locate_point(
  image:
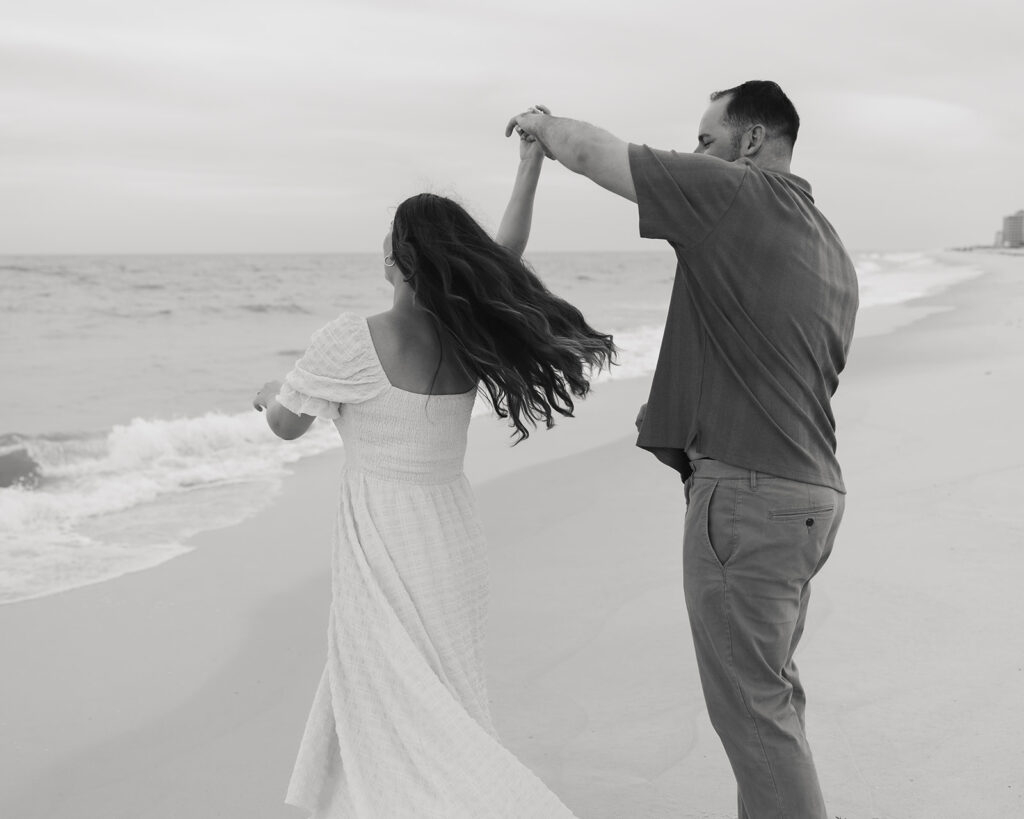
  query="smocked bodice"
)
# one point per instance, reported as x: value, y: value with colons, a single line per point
x: 388, y: 433
x: 404, y: 436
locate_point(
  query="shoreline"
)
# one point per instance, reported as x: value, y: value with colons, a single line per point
x: 872, y: 321
x: 182, y: 692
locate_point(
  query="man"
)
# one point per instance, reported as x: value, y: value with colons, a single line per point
x: 758, y: 329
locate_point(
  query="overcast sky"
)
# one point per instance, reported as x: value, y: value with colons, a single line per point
x: 290, y: 125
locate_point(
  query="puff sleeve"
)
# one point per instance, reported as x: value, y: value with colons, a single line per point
x: 340, y: 366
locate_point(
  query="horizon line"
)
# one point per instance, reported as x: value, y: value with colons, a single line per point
x: 658, y: 249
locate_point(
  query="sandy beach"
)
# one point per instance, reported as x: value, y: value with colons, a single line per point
x: 181, y: 692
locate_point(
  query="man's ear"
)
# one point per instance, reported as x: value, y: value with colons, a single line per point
x: 753, y: 141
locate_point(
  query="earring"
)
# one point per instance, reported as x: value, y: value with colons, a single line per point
x: 389, y: 261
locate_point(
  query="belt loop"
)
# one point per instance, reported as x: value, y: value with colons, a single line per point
x: 753, y: 479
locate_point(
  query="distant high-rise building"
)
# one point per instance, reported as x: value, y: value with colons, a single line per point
x: 999, y: 239
x: 1013, y: 230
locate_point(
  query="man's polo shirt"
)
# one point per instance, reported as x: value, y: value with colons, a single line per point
x: 759, y: 322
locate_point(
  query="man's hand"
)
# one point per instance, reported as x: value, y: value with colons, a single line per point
x: 525, y: 124
x: 582, y: 148
x: 640, y: 417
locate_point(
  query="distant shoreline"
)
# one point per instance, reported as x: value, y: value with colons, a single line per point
x: 1001, y: 251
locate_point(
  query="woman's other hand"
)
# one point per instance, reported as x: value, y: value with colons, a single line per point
x: 266, y: 394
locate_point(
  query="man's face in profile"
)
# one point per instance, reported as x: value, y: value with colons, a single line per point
x: 714, y: 136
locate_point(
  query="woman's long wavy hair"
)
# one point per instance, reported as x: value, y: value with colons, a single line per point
x: 532, y: 351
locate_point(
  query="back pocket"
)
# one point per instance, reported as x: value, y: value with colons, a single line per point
x: 807, y: 516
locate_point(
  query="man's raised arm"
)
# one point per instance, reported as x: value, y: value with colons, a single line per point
x: 582, y: 148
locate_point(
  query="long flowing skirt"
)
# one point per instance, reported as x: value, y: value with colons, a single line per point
x: 400, y: 724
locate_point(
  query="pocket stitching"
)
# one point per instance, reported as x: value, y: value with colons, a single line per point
x: 794, y: 514
x: 706, y: 530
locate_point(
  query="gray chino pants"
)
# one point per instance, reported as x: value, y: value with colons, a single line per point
x: 752, y: 542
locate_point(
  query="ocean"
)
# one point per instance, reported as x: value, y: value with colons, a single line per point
x: 126, y: 426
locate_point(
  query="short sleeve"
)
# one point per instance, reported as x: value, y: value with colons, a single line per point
x: 340, y: 366
x: 682, y: 197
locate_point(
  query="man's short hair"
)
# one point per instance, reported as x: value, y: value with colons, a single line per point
x: 761, y: 102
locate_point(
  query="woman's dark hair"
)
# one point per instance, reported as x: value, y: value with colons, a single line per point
x: 531, y: 350
x: 761, y: 102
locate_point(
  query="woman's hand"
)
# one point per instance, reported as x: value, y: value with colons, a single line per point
x: 282, y: 421
x: 530, y: 146
x: 266, y: 394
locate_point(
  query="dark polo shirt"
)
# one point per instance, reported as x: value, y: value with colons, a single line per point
x: 760, y: 319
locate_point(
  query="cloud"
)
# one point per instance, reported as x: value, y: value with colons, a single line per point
x: 365, y: 101
x: 870, y: 122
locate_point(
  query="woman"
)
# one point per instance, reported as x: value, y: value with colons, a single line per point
x: 400, y: 724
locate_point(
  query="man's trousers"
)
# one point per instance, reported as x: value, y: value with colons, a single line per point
x: 752, y: 543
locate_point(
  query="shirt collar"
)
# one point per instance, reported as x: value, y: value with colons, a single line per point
x: 797, y: 182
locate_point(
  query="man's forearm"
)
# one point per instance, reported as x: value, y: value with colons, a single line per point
x: 588, y: 150
x: 573, y: 142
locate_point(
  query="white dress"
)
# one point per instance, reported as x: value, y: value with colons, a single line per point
x: 400, y: 726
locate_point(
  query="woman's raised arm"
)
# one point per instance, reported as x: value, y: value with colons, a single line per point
x: 514, y: 231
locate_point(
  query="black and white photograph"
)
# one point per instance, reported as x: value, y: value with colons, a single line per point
x: 539, y: 410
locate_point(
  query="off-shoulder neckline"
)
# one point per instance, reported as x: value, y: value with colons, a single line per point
x: 380, y: 366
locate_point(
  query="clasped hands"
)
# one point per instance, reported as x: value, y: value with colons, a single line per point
x: 525, y: 124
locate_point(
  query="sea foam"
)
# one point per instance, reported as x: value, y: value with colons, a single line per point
x: 91, y: 507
